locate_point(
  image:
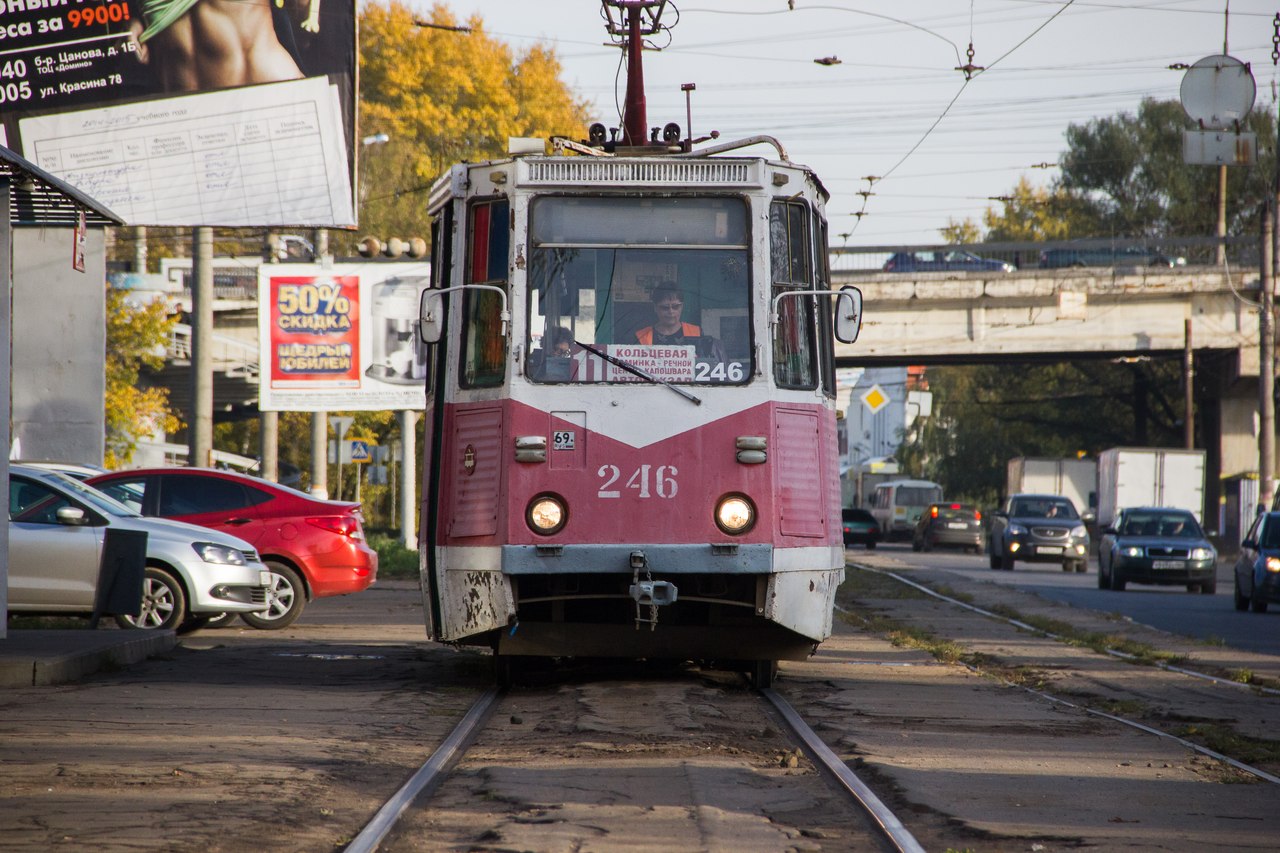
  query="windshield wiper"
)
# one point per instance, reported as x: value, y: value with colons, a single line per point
x: 648, y: 377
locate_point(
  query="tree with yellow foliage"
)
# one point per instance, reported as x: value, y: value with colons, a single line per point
x: 442, y: 96
x: 136, y: 335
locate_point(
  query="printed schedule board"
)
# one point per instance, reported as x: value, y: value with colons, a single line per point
x: 234, y: 113
x: 343, y: 338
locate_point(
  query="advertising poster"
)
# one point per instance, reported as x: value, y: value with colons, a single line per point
x: 183, y: 112
x: 343, y: 338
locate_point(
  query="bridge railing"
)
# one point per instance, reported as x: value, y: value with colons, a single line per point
x: 1240, y: 252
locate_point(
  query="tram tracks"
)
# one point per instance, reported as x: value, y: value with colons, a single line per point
x: 687, y: 763
x: 1244, y: 693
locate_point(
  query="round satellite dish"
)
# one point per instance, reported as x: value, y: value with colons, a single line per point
x: 1217, y: 92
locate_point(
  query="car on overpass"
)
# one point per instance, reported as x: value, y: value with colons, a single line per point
x: 1107, y: 256
x: 954, y: 261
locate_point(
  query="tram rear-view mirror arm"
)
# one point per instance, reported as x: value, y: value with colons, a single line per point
x: 848, y: 321
x: 431, y: 310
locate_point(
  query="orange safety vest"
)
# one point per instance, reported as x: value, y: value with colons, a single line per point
x: 645, y: 335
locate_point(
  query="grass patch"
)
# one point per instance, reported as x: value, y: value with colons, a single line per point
x: 50, y: 623
x: 395, y: 562
x: 1223, y: 739
x: 860, y: 583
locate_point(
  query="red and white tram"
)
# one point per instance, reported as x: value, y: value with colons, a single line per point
x: 630, y: 443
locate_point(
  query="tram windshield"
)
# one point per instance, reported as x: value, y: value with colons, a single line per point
x: 659, y: 285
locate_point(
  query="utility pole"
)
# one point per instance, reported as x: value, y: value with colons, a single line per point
x: 1266, y: 365
x: 1188, y: 389
x: 200, y: 443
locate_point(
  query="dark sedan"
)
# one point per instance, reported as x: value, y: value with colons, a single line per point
x: 1257, y: 571
x: 1107, y: 256
x: 860, y: 528
x: 1157, y: 545
x: 953, y: 261
x: 1038, y: 529
x: 952, y: 525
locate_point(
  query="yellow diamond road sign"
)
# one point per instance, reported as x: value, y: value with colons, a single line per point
x: 875, y: 399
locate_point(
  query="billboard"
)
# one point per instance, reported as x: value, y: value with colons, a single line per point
x: 341, y: 338
x: 236, y: 113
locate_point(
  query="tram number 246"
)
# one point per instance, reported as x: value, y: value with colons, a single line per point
x: 648, y: 481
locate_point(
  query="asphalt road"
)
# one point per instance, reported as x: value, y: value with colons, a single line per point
x: 1205, y: 617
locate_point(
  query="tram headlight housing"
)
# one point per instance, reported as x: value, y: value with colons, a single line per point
x: 735, y: 514
x: 546, y: 514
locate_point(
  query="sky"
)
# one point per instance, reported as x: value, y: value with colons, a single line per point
x: 896, y: 108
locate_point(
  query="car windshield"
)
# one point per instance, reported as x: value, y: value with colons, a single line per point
x: 954, y: 513
x: 1171, y: 524
x: 88, y: 494
x: 857, y: 515
x: 1043, y: 508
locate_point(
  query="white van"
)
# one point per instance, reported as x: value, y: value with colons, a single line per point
x: 897, y: 504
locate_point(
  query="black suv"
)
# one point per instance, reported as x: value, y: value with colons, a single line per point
x: 1038, y: 529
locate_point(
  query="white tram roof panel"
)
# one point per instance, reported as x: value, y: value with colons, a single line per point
x: 654, y: 172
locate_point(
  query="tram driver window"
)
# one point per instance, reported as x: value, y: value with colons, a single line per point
x: 794, y: 361
x: 603, y: 269
x: 484, y: 346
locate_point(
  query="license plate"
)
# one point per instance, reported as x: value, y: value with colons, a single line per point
x: 1049, y: 549
x: 1167, y: 564
x: 264, y: 578
x: 957, y: 525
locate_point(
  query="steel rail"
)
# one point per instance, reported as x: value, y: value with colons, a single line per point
x: 427, y: 775
x: 886, y: 820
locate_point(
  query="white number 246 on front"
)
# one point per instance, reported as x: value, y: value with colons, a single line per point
x: 647, y: 481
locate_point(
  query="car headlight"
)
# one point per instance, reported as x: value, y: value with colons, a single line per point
x: 1017, y: 530
x: 1079, y: 531
x: 212, y: 552
x: 735, y: 514
x: 1202, y: 554
x: 1131, y: 551
x: 546, y: 514
x: 1273, y: 564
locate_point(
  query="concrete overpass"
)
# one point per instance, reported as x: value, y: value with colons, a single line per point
x: 1075, y: 313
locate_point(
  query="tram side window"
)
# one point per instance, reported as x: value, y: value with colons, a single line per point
x: 794, y: 362
x: 826, y: 316
x: 483, y: 345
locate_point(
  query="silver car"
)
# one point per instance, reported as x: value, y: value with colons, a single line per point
x: 57, y: 527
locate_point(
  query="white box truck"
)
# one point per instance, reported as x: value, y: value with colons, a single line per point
x: 1076, y: 479
x: 1145, y: 476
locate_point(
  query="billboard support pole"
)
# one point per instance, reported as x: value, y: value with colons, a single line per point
x: 200, y: 446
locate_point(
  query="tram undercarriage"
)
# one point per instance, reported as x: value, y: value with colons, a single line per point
x: 699, y: 616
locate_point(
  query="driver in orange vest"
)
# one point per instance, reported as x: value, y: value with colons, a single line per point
x: 668, y: 328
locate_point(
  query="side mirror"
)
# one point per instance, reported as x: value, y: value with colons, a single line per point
x: 848, y: 314
x: 1109, y: 531
x: 73, y: 516
x: 1000, y: 514
x: 430, y: 317
x: 1088, y: 516
x: 1251, y: 544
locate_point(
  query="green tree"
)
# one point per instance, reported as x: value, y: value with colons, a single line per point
x: 1128, y: 172
x: 442, y: 97
x: 136, y: 337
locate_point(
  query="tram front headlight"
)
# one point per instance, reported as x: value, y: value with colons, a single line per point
x: 735, y: 514
x: 546, y: 514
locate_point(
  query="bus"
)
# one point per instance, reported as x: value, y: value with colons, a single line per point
x: 897, y: 504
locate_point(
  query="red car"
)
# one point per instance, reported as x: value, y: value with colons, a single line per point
x: 314, y: 548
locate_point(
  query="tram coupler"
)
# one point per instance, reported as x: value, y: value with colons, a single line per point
x: 648, y: 592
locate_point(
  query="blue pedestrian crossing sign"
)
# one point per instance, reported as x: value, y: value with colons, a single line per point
x: 360, y: 451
